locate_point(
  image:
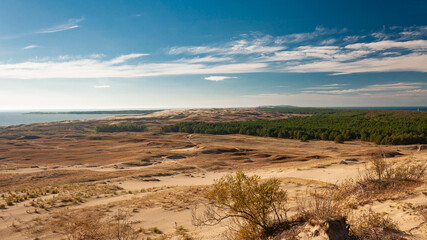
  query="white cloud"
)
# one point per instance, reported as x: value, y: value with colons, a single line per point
x: 380, y: 35
x: 250, y: 44
x: 124, y: 58
x: 249, y: 53
x: 101, y: 86
x: 401, y: 86
x: 410, y: 62
x: 388, y: 44
x: 70, y: 24
x: 192, y: 50
x: 218, y: 78
x: 404, y: 98
x: 30, y: 47
x: 117, y: 68
x: 328, y: 86
x: 208, y: 59
x: 301, y: 37
x: 328, y: 41
x: 97, y: 55
x: 352, y: 38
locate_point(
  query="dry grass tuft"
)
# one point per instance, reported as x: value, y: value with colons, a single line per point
x: 79, y: 225
x: 47, y: 197
x: 369, y: 225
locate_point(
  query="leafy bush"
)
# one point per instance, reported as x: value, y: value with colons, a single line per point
x: 256, y: 207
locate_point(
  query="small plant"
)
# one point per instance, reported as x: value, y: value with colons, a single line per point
x: 371, y: 225
x: 156, y: 230
x: 180, y: 228
x: 384, y: 176
x: 321, y: 204
x: 2, y: 206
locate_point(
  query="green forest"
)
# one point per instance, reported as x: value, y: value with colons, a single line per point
x: 120, y: 128
x: 378, y: 126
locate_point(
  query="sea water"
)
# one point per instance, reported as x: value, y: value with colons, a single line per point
x: 17, y: 118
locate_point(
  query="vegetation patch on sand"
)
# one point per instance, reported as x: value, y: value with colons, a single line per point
x: 120, y: 128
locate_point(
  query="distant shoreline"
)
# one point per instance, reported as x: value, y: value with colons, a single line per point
x: 134, y: 112
x: 101, y: 112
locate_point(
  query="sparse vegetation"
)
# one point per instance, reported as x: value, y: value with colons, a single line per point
x: 120, y: 128
x: 79, y: 225
x: 156, y: 230
x: 385, y: 176
x: 370, y: 225
x: 257, y: 209
x: 61, y: 195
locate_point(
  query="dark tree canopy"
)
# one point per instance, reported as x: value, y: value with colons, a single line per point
x: 381, y: 127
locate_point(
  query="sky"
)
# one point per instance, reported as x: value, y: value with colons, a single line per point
x: 81, y: 54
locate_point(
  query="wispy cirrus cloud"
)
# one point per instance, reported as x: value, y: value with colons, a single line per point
x: 325, y: 50
x: 328, y: 86
x: 414, y: 87
x: 102, y: 86
x: 126, y: 57
x: 117, y: 68
x: 332, y: 51
x: 408, y: 93
x: 301, y: 37
x: 406, y: 98
x: 218, y: 78
x: 409, y: 62
x: 30, y: 47
x: 70, y: 24
x: 207, y: 59
x: 250, y: 44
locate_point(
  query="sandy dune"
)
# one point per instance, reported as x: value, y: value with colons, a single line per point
x: 160, y: 176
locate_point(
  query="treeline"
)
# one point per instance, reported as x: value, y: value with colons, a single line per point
x: 381, y: 127
x: 120, y: 128
x: 299, y: 110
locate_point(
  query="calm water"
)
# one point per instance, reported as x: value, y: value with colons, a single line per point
x: 16, y: 118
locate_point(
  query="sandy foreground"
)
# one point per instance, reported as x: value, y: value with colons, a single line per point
x: 160, y: 177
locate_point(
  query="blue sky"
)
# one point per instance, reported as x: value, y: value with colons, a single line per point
x: 179, y: 54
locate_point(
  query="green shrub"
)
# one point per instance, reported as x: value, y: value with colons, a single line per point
x: 257, y: 207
